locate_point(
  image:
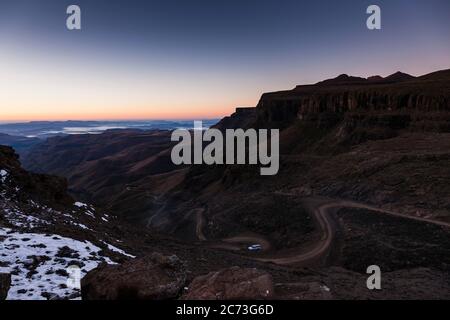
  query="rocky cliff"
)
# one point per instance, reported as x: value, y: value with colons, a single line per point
x: 398, y: 94
x: 241, y: 118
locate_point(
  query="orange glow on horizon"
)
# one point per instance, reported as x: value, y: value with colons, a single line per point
x: 113, y: 117
x: 125, y: 113
x: 37, y: 88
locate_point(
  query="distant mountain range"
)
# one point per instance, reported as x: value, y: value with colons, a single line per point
x: 45, y: 129
x: 23, y: 136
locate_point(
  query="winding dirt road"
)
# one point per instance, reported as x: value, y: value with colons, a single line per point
x: 322, y: 210
x: 324, y: 217
x: 321, y: 248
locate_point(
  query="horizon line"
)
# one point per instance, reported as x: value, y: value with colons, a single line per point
x: 111, y: 120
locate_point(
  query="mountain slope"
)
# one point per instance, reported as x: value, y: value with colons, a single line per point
x: 43, y: 232
x: 115, y: 163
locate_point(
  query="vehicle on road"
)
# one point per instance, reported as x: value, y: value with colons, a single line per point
x: 254, y: 247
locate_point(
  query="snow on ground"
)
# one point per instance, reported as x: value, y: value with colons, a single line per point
x: 82, y: 226
x: 18, y: 219
x: 80, y: 205
x: 3, y: 175
x: 88, y: 210
x: 325, y: 288
x: 45, y: 266
x: 115, y: 249
x: 27, y: 220
x: 39, y: 264
x: 90, y: 213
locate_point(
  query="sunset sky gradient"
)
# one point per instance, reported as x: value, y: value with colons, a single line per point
x: 200, y: 59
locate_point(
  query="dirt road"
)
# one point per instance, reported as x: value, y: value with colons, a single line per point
x: 322, y: 210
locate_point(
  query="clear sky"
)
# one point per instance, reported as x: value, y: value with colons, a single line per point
x: 169, y: 59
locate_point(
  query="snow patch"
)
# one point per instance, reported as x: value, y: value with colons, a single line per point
x: 82, y: 226
x: 21, y: 220
x: 89, y: 210
x: 39, y: 270
x: 325, y: 288
x: 80, y: 205
x: 90, y: 214
x: 115, y: 249
x: 3, y: 175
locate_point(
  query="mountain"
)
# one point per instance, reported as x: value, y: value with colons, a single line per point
x: 130, y: 171
x: 415, y: 97
x: 398, y: 77
x: 242, y: 118
x: 442, y: 75
x: 362, y: 178
x: 375, y: 78
x: 345, y: 79
x: 342, y: 79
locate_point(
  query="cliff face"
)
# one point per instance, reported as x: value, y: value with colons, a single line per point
x: 415, y: 97
x: 241, y: 118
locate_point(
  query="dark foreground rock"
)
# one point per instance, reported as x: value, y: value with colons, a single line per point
x: 406, y: 284
x: 152, y: 278
x: 5, y: 283
x: 231, y: 284
x: 336, y: 283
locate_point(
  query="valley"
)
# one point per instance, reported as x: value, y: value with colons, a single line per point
x: 363, y: 179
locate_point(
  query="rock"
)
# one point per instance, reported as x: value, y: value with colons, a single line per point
x: 231, y: 284
x: 50, y: 296
x: 5, y: 284
x: 66, y: 252
x: 151, y: 278
x: 308, y: 290
x: 405, y: 95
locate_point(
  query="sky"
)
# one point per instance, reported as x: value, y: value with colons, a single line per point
x: 197, y: 59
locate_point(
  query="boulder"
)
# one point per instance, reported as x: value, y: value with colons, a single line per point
x: 155, y: 277
x: 231, y: 284
x: 5, y: 284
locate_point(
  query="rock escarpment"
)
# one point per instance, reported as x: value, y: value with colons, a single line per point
x: 231, y: 284
x: 241, y: 118
x: 156, y: 277
x: 396, y: 95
